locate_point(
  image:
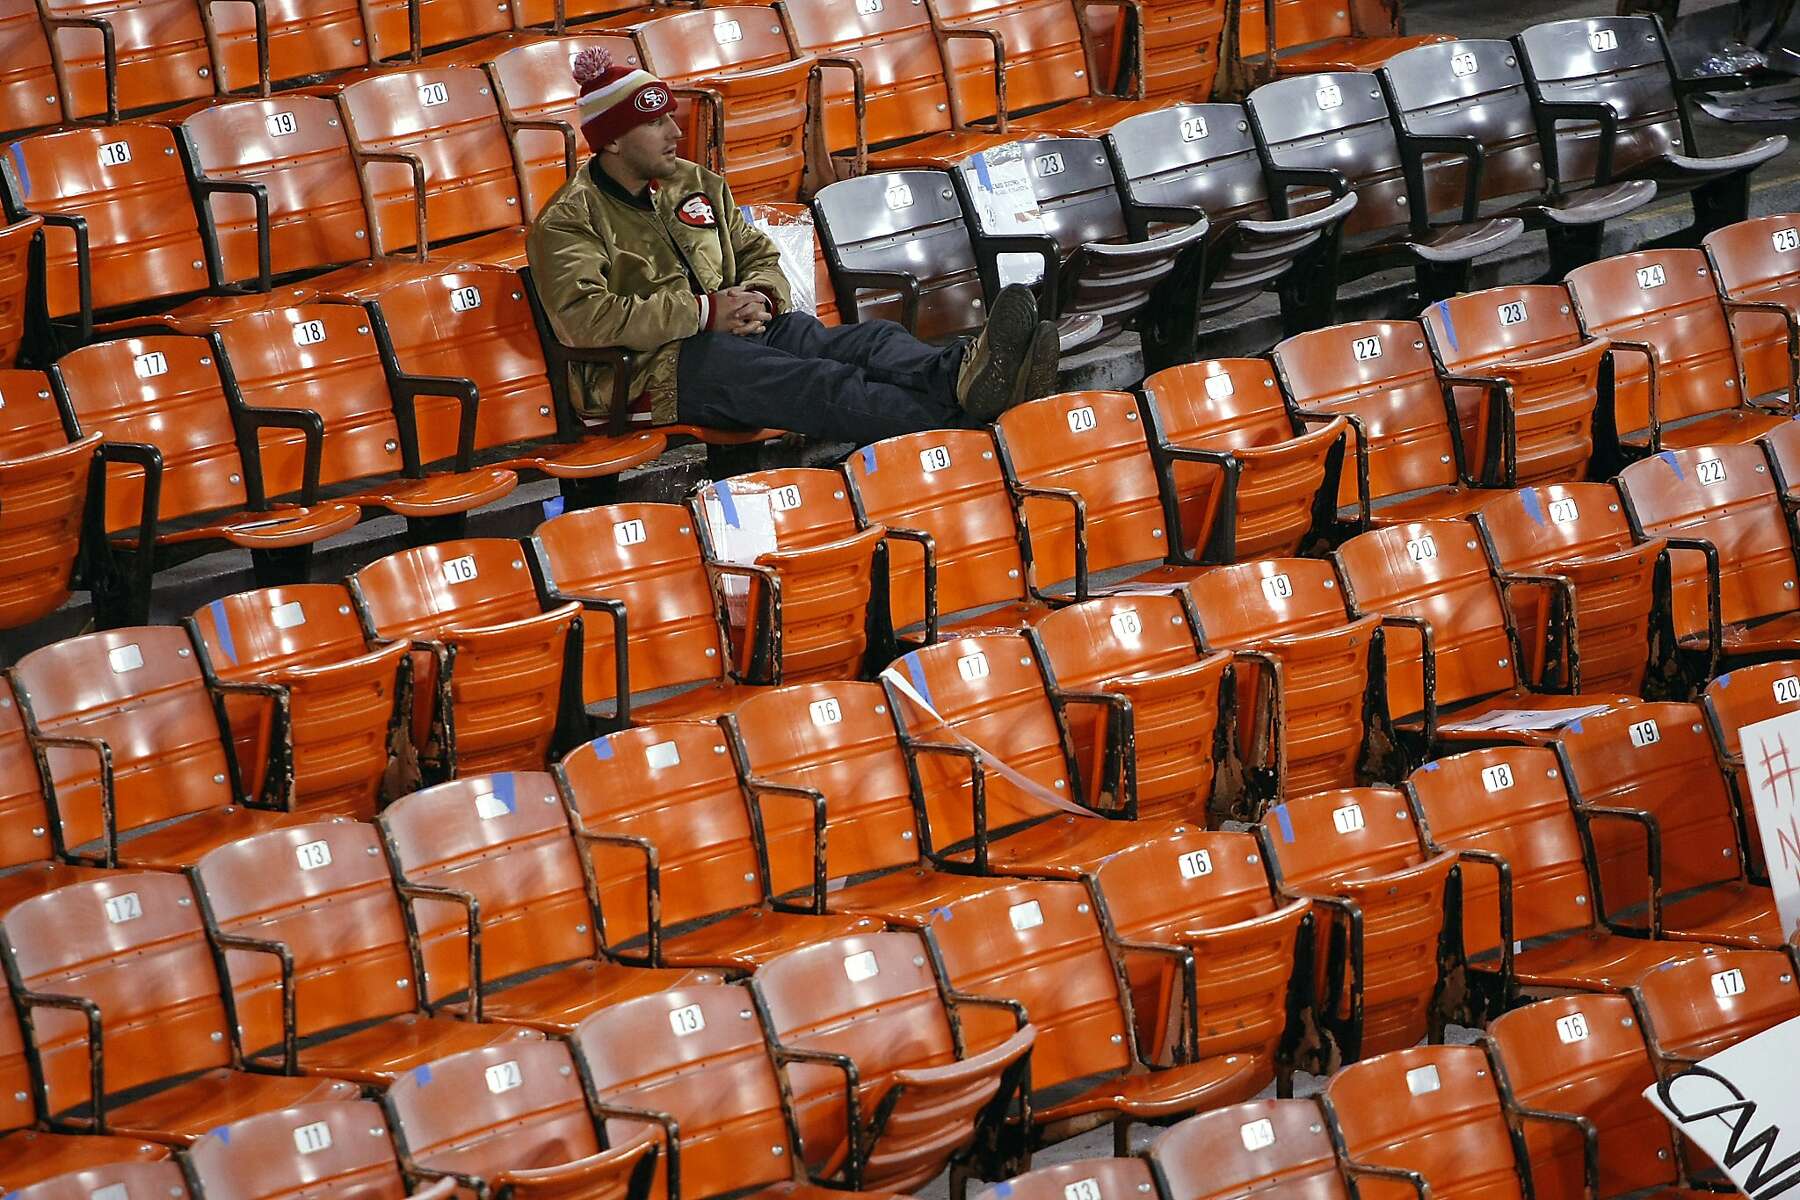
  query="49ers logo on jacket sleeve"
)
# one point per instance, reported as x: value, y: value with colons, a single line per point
x: 696, y: 210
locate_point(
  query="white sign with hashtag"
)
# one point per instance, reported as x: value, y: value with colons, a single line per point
x: 1772, y: 762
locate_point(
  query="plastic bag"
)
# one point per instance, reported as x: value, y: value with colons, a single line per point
x: 790, y: 227
x: 1733, y: 58
x: 1001, y: 190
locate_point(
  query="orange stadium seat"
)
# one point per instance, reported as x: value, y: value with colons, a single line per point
x: 1248, y: 481
x: 393, y: 33
x: 1312, y: 37
x: 44, y: 488
x: 493, y: 874
x: 680, y: 851
x: 1089, y: 492
x: 1146, y: 648
x: 30, y: 97
x: 303, y: 39
x: 315, y: 946
x: 1455, y: 673
x: 174, y: 471
x: 808, y: 594
x: 1200, y: 159
x: 1525, y: 381
x: 1357, y: 854
x: 1694, y: 1009
x: 329, y: 1145
x: 1736, y: 699
x: 1758, y: 274
x: 1505, y: 813
x: 29, y: 838
x: 159, y: 54
x: 1679, y: 383
x: 342, y: 703
x: 18, y: 243
x: 494, y: 673
x: 1378, y: 375
x: 954, y: 541
x: 131, y: 956
x: 924, y: 1095
x: 537, y: 94
x: 1578, y: 532
x: 127, y: 728
x: 758, y: 90
x: 1249, y: 1148
x: 1668, y: 847
x: 652, y: 615
x: 160, y: 1177
x: 1295, y: 611
x: 1103, y: 1178
x: 514, y: 1118
x: 1182, y: 42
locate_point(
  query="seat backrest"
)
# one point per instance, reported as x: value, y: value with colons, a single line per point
x: 673, y: 784
x: 1336, y: 122
x: 1077, y: 198
x: 1191, y: 879
x: 328, y: 1148
x: 131, y: 942
x: 1758, y: 259
x: 1093, y: 444
x: 17, y: 1107
x: 905, y: 221
x: 1435, y: 570
x: 1658, y: 759
x: 43, y: 498
x: 1533, y: 528
x: 295, y: 146
x: 1342, y: 833
x: 160, y: 1177
x: 30, y: 418
x: 322, y: 358
x: 140, y: 691
x: 1297, y: 23
x: 1701, y: 1006
x: 164, y: 390
x: 323, y: 38
x: 24, y: 818
x: 1743, y: 697
x: 647, y: 557
x: 323, y: 891
x: 447, y: 118
x: 472, y: 323
x: 1585, y: 1054
x: 997, y: 942
x: 533, y: 82
x: 1510, y: 801
x: 1382, y: 373
x: 1432, y: 1109
x: 947, y: 483
x: 505, y: 840
x: 904, y: 87
x: 1620, y: 62
x: 988, y: 689
x: 499, y: 1108
x: 441, y: 22
x: 1247, y: 602
x: 807, y: 506
x: 1470, y: 88
x: 161, y: 54
x: 1098, y: 1178
x: 1249, y: 1148
x: 1723, y: 495
x: 699, y: 1055
x: 682, y: 46
x: 127, y: 183
x: 260, y: 632
x: 1046, y: 55
x: 430, y: 591
x: 17, y: 240
x: 1194, y: 155
x: 29, y: 96
x: 839, y: 739
x: 1666, y: 298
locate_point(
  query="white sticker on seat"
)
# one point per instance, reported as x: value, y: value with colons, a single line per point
x: 1049, y: 164
x: 1277, y: 587
x: 112, y: 1191
x: 1421, y: 1080
x: 972, y: 666
x: 281, y: 124
x: 858, y: 967
x: 1786, y: 241
x: 661, y: 756
x: 149, y: 366
x: 686, y: 1021
x: 310, y: 1139
x: 124, y: 659
x: 1572, y: 1028
x: 309, y: 333
x: 462, y: 299
x: 1709, y: 471
x: 1512, y: 313
x: 1193, y: 128
x: 1602, y: 40
x: 115, y: 154
x: 1082, y: 1189
x: 313, y: 855
x: 1563, y: 510
x: 1730, y: 983
x: 934, y: 458
x: 504, y: 1077
x: 1028, y: 915
x: 1220, y: 386
x: 1651, y: 276
x: 1787, y: 689
x: 868, y: 8
x: 124, y: 907
x: 629, y: 533
x: 1421, y: 548
x: 488, y: 806
x: 1644, y: 733
x: 1348, y: 819
x: 433, y: 94
x: 1195, y: 863
x: 1258, y: 1135
x: 1366, y: 348
x: 898, y: 195
x: 1126, y: 623
x: 1329, y: 96
x: 784, y: 498
x: 460, y: 570
x: 826, y: 712
x: 1497, y: 778
x: 1082, y: 419
x: 1463, y: 64
x: 727, y: 31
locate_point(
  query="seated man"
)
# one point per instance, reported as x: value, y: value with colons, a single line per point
x: 646, y: 250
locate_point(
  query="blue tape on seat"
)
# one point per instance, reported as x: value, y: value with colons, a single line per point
x: 1443, y: 312
x: 602, y: 748
x: 1668, y: 456
x: 1534, y: 508
x: 553, y: 507
x: 916, y: 673
x: 506, y: 791
x: 727, y: 504
x: 227, y: 647
x: 981, y: 171
x: 868, y: 459
x: 1287, y: 825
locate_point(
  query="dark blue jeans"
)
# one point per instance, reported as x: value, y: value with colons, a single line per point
x: 849, y: 383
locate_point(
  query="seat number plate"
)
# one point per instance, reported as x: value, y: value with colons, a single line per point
x: 123, y: 659
x: 115, y: 154
x: 1644, y: 733
x: 826, y: 712
x: 124, y: 907
x: 1787, y: 689
x: 310, y: 1139
x: 1652, y: 276
x: 1463, y: 64
x: 868, y: 8
x: 1728, y: 983
x: 662, y: 756
x: 1564, y: 510
x: 1082, y: 1189
x: 972, y: 666
x: 1195, y: 863
x: 313, y: 855
x: 1258, y: 1135
x: 460, y: 570
x: 1366, y: 348
x: 1710, y: 470
x: 1572, y: 1028
x: 309, y: 333
x: 687, y: 1021
x: 1126, y: 623
x: 1082, y: 419
x: 629, y: 533
x: 287, y: 616
x: 504, y: 1077
x: 1348, y: 819
x: 1602, y: 40
x: 1497, y: 778
x: 858, y: 967
x: 898, y: 196
x: 784, y: 498
x: 726, y: 32
x: 149, y: 366
x: 1050, y: 164
x: 281, y: 124
x: 1512, y: 313
x: 1028, y: 915
x: 1329, y: 96
x: 488, y: 806
x: 1421, y: 1080
x: 1220, y: 386
x: 1277, y: 587
x: 1786, y: 240
x: 433, y: 94
x: 1421, y: 548
x: 934, y: 458
x: 1193, y: 128
x: 465, y: 298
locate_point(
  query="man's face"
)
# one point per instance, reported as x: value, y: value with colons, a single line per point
x: 649, y: 150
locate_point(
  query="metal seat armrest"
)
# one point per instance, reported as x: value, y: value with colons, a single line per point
x: 1653, y: 852
x: 997, y: 41
x: 759, y: 790
x: 412, y: 893
x: 1073, y: 499
x: 290, y: 1039
x: 653, y: 956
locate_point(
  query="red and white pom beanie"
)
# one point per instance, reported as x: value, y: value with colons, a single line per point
x: 614, y: 99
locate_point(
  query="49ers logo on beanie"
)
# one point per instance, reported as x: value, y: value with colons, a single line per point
x: 697, y: 211
x: 615, y: 99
